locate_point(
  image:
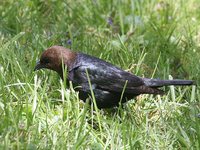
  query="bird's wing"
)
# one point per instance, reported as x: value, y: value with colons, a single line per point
x: 105, y: 76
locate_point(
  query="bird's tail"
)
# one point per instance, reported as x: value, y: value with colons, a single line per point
x: 160, y: 83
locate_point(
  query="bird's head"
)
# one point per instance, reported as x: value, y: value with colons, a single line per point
x: 54, y: 57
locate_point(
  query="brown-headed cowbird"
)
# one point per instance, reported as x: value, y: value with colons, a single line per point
x: 108, y: 82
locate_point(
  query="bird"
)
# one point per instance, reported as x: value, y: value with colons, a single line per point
x: 111, y: 86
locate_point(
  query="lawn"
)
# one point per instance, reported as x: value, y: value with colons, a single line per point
x: 150, y: 38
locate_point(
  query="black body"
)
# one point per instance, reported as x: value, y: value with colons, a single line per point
x: 108, y: 81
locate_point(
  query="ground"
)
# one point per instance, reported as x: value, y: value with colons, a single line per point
x: 150, y: 38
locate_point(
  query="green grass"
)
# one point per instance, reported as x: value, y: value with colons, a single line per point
x: 149, y: 38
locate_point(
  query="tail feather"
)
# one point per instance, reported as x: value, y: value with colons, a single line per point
x: 160, y: 83
x: 151, y: 90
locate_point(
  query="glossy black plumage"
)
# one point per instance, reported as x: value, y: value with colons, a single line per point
x: 107, y: 80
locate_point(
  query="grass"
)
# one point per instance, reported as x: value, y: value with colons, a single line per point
x: 148, y: 38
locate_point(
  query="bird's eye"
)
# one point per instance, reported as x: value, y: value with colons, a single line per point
x: 45, y: 61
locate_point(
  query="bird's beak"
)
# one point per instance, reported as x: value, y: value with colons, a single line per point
x: 38, y: 66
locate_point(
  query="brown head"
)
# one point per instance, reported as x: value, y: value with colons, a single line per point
x: 53, y: 57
